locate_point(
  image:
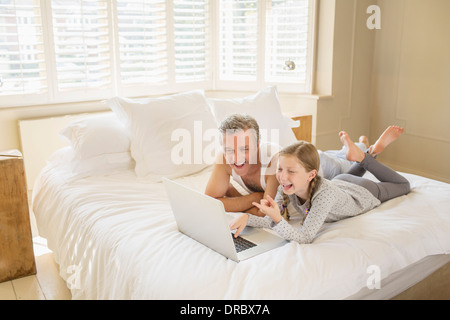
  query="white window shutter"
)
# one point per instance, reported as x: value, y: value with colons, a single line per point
x: 22, y: 60
x: 238, y: 40
x: 191, y: 40
x: 142, y: 40
x: 258, y: 39
x: 287, y: 29
x: 81, y: 44
x: 74, y: 50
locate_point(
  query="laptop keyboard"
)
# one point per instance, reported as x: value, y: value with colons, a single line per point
x: 242, y: 244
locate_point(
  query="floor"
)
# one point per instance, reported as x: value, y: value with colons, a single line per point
x: 46, y: 284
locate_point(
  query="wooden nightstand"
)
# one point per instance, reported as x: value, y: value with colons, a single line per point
x: 16, y: 244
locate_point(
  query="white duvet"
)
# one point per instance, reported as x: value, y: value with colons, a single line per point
x: 115, y: 237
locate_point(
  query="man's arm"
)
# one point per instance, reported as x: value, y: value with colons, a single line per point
x: 271, y: 186
x: 218, y: 185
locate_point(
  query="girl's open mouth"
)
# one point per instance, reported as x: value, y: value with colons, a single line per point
x: 286, y: 187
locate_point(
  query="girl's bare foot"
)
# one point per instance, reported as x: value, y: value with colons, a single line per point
x: 387, y: 137
x: 365, y: 140
x: 353, y: 152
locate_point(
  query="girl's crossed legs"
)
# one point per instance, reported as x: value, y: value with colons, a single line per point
x: 390, y: 185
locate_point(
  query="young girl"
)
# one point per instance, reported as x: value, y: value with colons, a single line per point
x: 319, y: 199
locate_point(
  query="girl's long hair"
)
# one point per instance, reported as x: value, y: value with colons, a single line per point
x: 307, y: 155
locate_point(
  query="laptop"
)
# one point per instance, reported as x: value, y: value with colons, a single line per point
x: 204, y: 219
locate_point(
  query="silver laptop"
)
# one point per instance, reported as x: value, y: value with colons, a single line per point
x: 203, y: 218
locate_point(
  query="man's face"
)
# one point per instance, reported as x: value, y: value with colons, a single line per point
x: 241, y: 150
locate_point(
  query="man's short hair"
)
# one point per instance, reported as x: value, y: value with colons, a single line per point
x: 238, y: 122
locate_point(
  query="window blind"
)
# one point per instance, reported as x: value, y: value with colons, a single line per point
x: 73, y: 50
x: 81, y: 43
x: 191, y: 41
x: 22, y: 61
x: 238, y: 39
x: 258, y: 37
x: 142, y: 35
x: 287, y: 30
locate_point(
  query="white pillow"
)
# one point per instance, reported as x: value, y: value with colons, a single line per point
x: 97, y: 135
x: 167, y: 133
x: 100, y: 165
x: 265, y: 108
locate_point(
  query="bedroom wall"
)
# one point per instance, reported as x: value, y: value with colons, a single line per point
x: 348, y: 106
x: 411, y: 81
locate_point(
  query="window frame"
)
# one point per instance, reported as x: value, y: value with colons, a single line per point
x: 212, y: 82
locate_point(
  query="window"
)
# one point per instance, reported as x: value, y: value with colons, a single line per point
x: 266, y: 42
x: 81, y: 44
x: 162, y: 45
x: 238, y: 40
x: 191, y: 41
x: 287, y: 39
x: 73, y: 50
x: 22, y: 58
x: 142, y: 41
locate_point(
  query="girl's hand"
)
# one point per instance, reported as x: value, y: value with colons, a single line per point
x: 269, y: 207
x: 239, y: 223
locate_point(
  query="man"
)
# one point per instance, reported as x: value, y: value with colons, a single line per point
x: 246, y: 159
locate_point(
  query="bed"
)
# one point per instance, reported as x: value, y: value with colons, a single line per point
x: 112, y: 232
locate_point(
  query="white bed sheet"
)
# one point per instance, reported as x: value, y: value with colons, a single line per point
x: 115, y: 237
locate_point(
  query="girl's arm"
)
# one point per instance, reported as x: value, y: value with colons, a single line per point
x: 251, y: 220
x: 322, y: 205
x: 268, y: 207
x: 320, y: 208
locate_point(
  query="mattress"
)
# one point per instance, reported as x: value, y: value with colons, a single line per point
x: 115, y: 237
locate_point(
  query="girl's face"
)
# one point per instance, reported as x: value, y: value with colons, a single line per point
x: 293, y: 177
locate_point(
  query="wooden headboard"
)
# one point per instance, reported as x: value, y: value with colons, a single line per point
x: 304, y: 130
